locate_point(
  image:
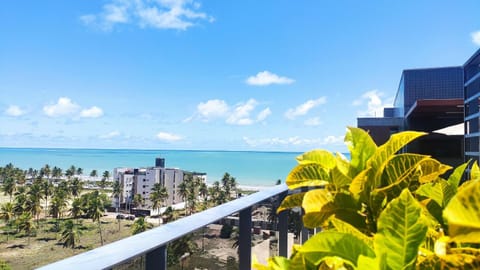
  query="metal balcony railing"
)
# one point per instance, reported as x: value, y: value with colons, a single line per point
x: 153, y: 243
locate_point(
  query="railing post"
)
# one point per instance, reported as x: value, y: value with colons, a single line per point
x: 245, y: 239
x: 304, y: 232
x: 283, y: 229
x: 156, y: 259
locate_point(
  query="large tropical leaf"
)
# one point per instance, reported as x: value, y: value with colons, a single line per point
x: 320, y: 205
x: 463, y: 214
x: 401, y: 231
x: 305, y: 175
x: 362, y: 182
x: 431, y: 169
x: 475, y: 171
x: 321, y: 157
x: 399, y: 168
x: 440, y: 191
x: 339, y: 179
x: 361, y: 147
x: 291, y: 201
x: 449, y: 262
x: 274, y: 263
x: 455, y: 178
x: 342, y: 226
x: 386, y: 151
x: 330, y: 243
x: 365, y: 262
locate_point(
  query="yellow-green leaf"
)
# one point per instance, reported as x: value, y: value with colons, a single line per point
x: 313, y: 205
x: 399, y: 168
x: 450, y: 262
x: 273, y: 263
x: 475, y: 171
x: 305, y: 175
x: 401, y: 231
x: 321, y: 157
x: 455, y: 178
x: 361, y: 147
x: 342, y: 226
x: 431, y: 170
x: 291, y: 201
x: 339, y: 179
x: 463, y: 214
x: 440, y: 191
x: 361, y: 182
x: 330, y: 244
x: 319, y: 205
x: 386, y: 151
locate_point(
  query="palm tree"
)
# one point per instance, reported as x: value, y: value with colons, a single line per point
x: 45, y: 171
x: 76, y: 187
x: 105, y: 177
x: 139, y: 225
x: 79, y: 171
x: 137, y: 200
x: 47, y: 190
x: 33, y: 199
x: 93, y: 173
x: 56, y: 172
x: 76, y: 208
x: 26, y: 224
x: 158, y: 196
x: 183, y: 192
x: 117, y: 190
x: 70, y: 234
x: 7, y: 214
x: 96, y: 209
x: 203, y: 191
x: 168, y: 215
x: 9, y: 187
x: 70, y: 171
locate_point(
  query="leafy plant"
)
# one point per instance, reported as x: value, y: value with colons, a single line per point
x: 382, y: 209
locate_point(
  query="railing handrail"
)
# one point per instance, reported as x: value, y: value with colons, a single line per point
x: 118, y: 252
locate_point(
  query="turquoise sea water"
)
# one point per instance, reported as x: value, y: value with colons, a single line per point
x: 249, y: 168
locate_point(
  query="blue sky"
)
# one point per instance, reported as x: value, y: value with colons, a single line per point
x: 229, y: 75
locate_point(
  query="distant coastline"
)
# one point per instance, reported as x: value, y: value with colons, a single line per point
x: 252, y: 169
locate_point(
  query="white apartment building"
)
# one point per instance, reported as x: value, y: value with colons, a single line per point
x: 141, y: 180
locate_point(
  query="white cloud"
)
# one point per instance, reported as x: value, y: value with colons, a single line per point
x: 266, y: 78
x: 93, y: 112
x: 213, y: 108
x: 67, y: 108
x: 14, y: 111
x: 476, y: 38
x: 304, y: 108
x: 110, y: 135
x: 63, y: 107
x: 168, y: 137
x: 263, y: 114
x: 375, y: 104
x: 315, y: 121
x: 240, y: 114
x: 160, y: 14
x: 294, y: 141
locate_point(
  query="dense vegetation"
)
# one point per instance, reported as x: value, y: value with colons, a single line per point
x: 383, y: 209
x: 54, y: 201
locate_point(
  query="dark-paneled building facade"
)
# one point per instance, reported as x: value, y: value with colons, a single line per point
x: 472, y: 115
x: 427, y: 100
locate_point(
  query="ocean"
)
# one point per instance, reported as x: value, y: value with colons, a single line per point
x: 257, y: 169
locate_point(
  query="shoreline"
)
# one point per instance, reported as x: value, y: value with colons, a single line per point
x: 85, y: 178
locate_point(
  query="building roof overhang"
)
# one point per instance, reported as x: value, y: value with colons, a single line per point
x: 437, y: 108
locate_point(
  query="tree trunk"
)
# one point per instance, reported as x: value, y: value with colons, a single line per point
x: 100, y: 231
